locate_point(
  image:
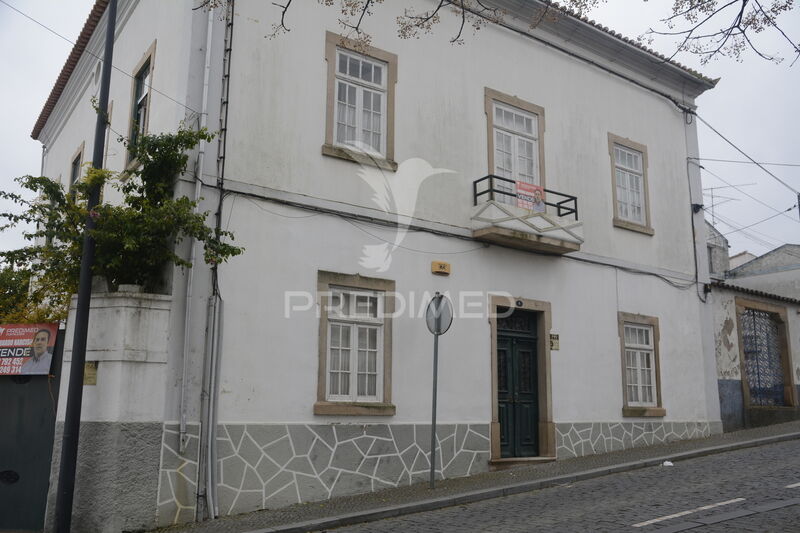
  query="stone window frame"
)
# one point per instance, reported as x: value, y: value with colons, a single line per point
x: 147, y: 60
x: 325, y: 282
x: 647, y: 227
x: 329, y: 148
x: 641, y: 320
x: 790, y: 388
x: 490, y: 96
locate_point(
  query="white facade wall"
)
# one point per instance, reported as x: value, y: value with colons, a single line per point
x: 440, y: 118
x: 269, y: 362
x: 262, y: 347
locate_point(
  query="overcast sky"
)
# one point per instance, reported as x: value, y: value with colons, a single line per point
x: 755, y: 105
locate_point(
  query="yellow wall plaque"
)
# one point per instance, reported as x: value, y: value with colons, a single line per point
x: 441, y: 268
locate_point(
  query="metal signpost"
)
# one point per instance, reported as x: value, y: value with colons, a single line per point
x: 438, y: 317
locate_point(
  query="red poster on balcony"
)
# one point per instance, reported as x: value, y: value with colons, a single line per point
x: 530, y: 196
x: 26, y: 348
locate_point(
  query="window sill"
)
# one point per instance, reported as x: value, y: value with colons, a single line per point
x: 354, y: 409
x: 633, y: 226
x: 644, y: 411
x: 341, y: 153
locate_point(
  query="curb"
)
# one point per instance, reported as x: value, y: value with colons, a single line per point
x: 508, y: 490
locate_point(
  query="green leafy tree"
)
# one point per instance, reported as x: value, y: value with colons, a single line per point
x: 135, y: 238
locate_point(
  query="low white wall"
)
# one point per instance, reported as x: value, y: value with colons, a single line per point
x: 128, y: 335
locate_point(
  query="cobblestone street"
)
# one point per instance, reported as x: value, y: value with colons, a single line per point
x: 745, y: 490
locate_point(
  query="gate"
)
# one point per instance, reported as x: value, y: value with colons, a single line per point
x: 762, y: 358
x: 26, y: 444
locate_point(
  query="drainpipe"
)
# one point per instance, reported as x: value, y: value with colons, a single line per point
x: 207, y: 471
x: 193, y: 243
x: 44, y: 154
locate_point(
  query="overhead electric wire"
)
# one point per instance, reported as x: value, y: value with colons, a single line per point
x: 759, y: 165
x: 723, y: 180
x: 769, y: 244
x: 745, y: 162
x: 70, y: 41
x: 759, y: 222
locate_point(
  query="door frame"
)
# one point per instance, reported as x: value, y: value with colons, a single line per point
x: 547, y: 434
x: 790, y: 388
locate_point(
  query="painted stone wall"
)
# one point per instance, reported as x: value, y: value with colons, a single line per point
x: 577, y: 439
x: 726, y: 340
x: 177, y: 480
x: 270, y: 466
x: 726, y: 349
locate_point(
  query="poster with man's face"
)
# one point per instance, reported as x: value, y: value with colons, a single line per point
x: 26, y: 348
x: 530, y: 197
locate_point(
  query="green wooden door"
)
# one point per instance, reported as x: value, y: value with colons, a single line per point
x: 517, y: 397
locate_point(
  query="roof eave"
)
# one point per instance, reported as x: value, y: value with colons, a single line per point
x: 69, y: 66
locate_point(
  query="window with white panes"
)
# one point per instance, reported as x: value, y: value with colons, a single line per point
x: 355, y: 346
x: 75, y: 170
x: 629, y: 173
x: 640, y: 366
x: 141, y: 102
x: 516, y: 148
x: 360, y: 116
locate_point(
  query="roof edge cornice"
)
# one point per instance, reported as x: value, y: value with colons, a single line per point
x: 69, y: 65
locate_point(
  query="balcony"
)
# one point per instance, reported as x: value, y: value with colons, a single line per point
x: 518, y: 215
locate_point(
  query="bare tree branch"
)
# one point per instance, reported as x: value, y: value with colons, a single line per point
x: 731, y: 39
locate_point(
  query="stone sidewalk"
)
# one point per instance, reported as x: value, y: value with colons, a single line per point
x: 416, y: 498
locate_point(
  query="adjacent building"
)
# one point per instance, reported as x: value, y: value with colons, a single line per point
x: 536, y: 176
x: 776, y: 272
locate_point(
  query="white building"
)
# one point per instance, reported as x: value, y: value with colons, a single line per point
x: 607, y: 346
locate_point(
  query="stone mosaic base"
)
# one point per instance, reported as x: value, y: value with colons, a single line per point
x: 573, y: 440
x: 271, y: 466
x: 177, y: 483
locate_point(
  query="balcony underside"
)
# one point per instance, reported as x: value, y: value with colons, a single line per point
x: 525, y: 241
x: 513, y: 227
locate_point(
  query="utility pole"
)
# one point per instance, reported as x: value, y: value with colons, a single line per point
x: 72, y: 422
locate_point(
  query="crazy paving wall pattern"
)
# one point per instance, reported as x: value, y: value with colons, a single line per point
x: 270, y: 466
x: 177, y: 483
x: 574, y: 440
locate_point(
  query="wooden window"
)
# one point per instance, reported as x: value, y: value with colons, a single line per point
x: 141, y: 93
x: 141, y: 90
x: 355, y: 331
x: 355, y: 345
x: 629, y: 184
x: 360, y: 114
x: 516, y: 148
x: 360, y: 102
x: 641, y: 369
x: 515, y: 135
x: 75, y: 170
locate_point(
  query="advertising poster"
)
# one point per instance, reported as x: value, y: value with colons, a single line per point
x: 26, y: 348
x: 530, y: 197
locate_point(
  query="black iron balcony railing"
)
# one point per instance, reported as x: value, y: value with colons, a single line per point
x: 565, y: 206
